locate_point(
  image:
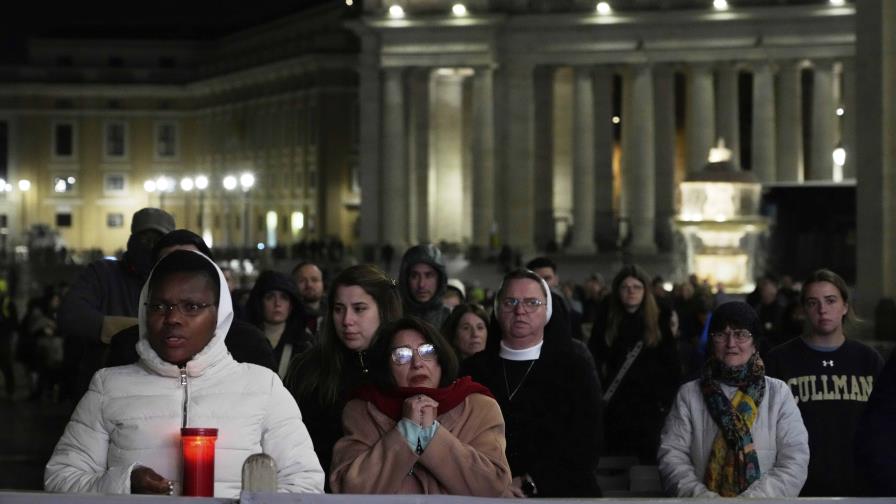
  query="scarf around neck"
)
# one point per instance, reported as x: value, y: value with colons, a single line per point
x: 733, y: 463
x: 390, y: 401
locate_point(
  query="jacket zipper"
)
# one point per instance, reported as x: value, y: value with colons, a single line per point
x: 183, y: 383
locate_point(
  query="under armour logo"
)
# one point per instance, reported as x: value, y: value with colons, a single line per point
x: 826, y: 363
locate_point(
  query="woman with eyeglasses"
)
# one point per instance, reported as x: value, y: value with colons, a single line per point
x: 547, y: 390
x: 361, y: 298
x: 416, y: 429
x: 734, y: 432
x: 634, y: 349
x: 124, y: 436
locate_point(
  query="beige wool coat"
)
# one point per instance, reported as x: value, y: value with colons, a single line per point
x: 465, y: 457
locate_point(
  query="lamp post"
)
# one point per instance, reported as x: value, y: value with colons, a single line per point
x: 229, y: 183
x: 201, y: 186
x: 24, y: 187
x: 164, y: 185
x: 247, y: 181
x: 186, y: 185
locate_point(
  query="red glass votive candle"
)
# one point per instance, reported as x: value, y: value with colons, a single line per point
x: 199, y: 461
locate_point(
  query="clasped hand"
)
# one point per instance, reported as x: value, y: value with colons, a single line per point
x: 420, y: 409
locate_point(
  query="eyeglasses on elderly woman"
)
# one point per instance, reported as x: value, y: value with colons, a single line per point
x: 529, y: 304
x: 403, y: 354
x: 739, y: 335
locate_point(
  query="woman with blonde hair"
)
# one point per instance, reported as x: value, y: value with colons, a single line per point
x: 638, y: 359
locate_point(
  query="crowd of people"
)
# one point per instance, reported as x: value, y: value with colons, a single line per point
x: 422, y: 385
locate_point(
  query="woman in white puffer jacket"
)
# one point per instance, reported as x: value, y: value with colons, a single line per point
x: 124, y: 436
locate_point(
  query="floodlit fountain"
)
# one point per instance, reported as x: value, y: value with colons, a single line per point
x: 720, y: 223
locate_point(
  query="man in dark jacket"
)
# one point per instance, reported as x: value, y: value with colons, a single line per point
x: 103, y: 300
x: 422, y: 282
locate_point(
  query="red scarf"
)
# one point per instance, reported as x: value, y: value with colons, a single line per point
x: 390, y: 401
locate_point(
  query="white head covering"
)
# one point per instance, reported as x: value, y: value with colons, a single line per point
x: 213, y: 353
x: 549, y: 305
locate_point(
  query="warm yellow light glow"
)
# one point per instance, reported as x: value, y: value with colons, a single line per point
x: 24, y: 185
x: 459, y: 9
x: 187, y: 184
x: 201, y: 182
x: 838, y: 3
x: 719, y: 153
x: 349, y: 3
x: 729, y: 270
x: 840, y: 111
x: 149, y: 186
x: 247, y: 180
x: 270, y: 220
x: 616, y: 119
x: 839, y: 156
x: 297, y: 222
x: 720, y: 4
x: 603, y: 8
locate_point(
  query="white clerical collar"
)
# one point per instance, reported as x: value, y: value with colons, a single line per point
x: 526, y: 354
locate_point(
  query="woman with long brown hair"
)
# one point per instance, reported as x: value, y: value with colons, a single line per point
x: 638, y: 360
x: 360, y: 299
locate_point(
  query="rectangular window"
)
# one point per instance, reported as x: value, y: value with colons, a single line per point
x: 114, y: 220
x: 166, y: 140
x: 116, y: 139
x: 64, y: 139
x: 114, y: 183
x: 63, y: 220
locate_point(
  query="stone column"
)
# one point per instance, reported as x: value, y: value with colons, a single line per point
x: 395, y: 173
x: 727, y: 113
x: 876, y: 151
x: 369, y: 98
x: 583, y: 162
x: 789, y: 122
x: 518, y: 215
x: 544, y: 152
x: 848, y: 121
x: 638, y: 161
x: 418, y: 156
x: 483, y: 156
x: 699, y: 119
x: 604, y: 143
x: 822, y: 142
x: 762, y: 154
x: 666, y: 186
x: 446, y: 156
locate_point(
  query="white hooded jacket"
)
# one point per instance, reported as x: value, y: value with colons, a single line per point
x: 131, y: 415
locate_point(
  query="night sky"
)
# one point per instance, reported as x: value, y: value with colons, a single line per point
x: 165, y: 19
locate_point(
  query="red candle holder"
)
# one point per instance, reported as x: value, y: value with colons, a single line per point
x: 199, y: 461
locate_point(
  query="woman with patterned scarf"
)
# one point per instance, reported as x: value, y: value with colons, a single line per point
x: 734, y: 431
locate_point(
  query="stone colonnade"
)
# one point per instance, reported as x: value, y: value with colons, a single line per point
x: 504, y: 123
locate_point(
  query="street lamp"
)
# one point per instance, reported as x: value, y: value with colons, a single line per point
x: 247, y: 181
x: 164, y: 185
x: 229, y: 183
x: 201, y: 185
x: 24, y: 187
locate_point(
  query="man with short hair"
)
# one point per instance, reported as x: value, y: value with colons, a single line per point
x: 422, y: 282
x: 310, y: 281
x: 831, y: 378
x: 547, y: 270
x: 104, y: 299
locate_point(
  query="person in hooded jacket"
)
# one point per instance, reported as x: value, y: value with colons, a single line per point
x: 124, y: 435
x: 422, y: 281
x: 103, y: 300
x: 274, y: 307
x: 244, y: 341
